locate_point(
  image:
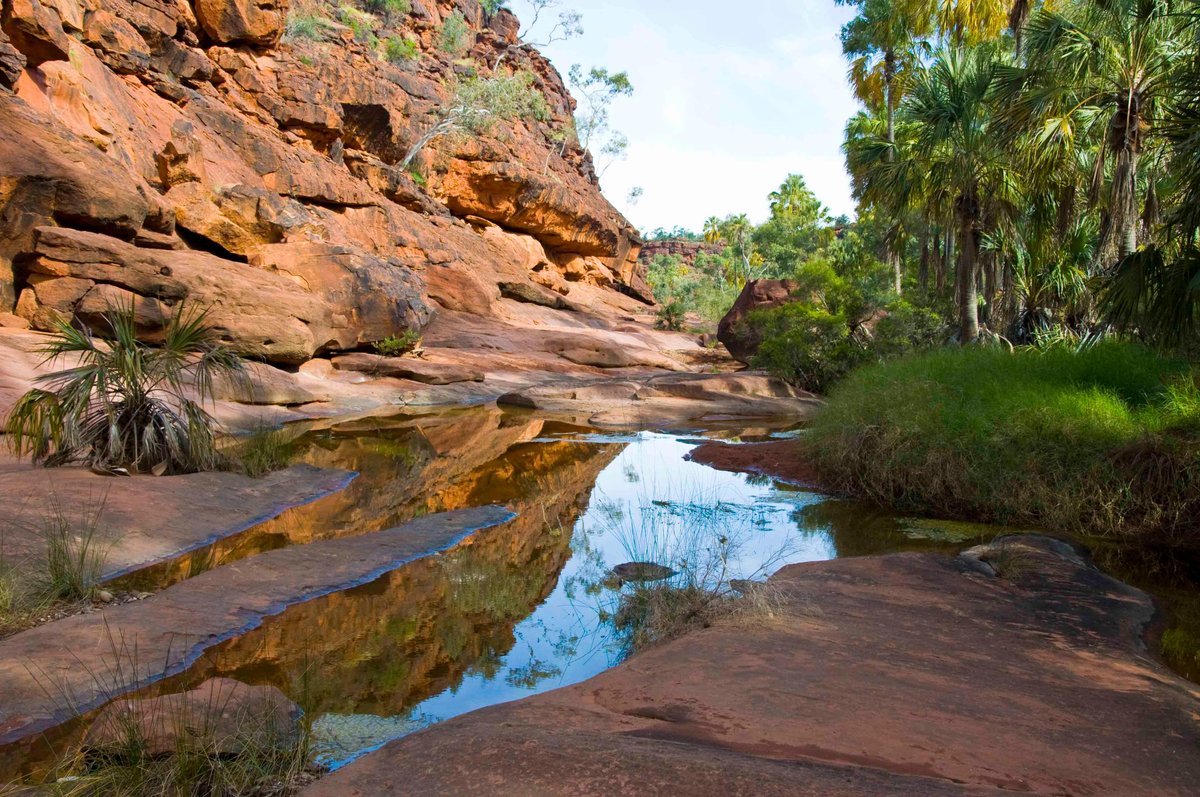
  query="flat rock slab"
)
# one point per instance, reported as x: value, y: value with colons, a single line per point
x: 143, y: 520
x: 908, y: 674
x: 671, y: 400
x: 418, y: 370
x: 87, y: 660
x: 779, y: 459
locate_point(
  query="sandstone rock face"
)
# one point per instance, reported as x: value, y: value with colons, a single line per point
x: 686, y: 250
x: 757, y: 295
x: 207, y: 159
x: 270, y: 312
x: 256, y: 22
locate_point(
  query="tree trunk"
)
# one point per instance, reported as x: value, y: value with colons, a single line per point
x: 968, y: 292
x: 1125, y: 210
x: 923, y: 270
x: 945, y: 261
x: 889, y: 77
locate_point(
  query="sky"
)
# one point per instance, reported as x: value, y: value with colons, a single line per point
x: 729, y: 98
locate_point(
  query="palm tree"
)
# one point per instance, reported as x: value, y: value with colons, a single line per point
x: 885, y: 45
x: 794, y: 200
x: 958, y: 162
x: 712, y: 229
x: 1095, y: 74
x: 126, y: 404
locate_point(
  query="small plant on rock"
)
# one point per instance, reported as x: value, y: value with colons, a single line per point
x: 397, y: 50
x: 671, y: 316
x: 396, y: 345
x: 455, y: 38
x: 124, y: 404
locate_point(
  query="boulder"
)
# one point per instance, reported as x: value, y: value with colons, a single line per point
x: 36, y: 30
x: 12, y: 62
x: 734, y: 332
x: 532, y: 294
x: 303, y: 300
x: 407, y: 368
x: 48, y: 175
x: 181, y: 160
x: 117, y: 41
x: 238, y: 218
x: 255, y: 22
x: 221, y: 717
x: 368, y: 297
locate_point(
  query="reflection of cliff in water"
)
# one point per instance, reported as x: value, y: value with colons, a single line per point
x: 380, y: 648
x: 403, y: 462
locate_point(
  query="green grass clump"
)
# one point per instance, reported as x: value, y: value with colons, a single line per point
x: 396, y: 345
x: 1104, y: 440
x: 397, y: 50
x: 263, y: 452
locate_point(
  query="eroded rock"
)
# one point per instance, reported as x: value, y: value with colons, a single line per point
x: 256, y: 22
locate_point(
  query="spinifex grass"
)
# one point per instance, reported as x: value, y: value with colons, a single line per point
x: 1104, y: 440
x: 708, y: 543
x: 67, y: 570
x: 161, y: 745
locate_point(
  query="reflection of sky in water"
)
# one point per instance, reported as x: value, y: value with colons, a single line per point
x: 649, y: 504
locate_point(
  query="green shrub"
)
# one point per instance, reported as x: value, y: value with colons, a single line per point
x: 805, y: 345
x: 671, y: 316
x: 124, y: 404
x: 307, y: 26
x: 398, y: 50
x: 455, y: 36
x: 390, y: 9
x: 396, y: 345
x: 1100, y: 440
x: 263, y: 452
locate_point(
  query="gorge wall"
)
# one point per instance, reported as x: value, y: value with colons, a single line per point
x: 163, y: 151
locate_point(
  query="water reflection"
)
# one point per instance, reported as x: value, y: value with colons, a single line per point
x: 529, y: 606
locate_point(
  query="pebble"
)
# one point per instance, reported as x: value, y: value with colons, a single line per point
x: 104, y: 596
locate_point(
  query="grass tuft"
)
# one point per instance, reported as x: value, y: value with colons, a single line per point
x: 1104, y: 440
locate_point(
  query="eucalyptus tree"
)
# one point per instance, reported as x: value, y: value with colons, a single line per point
x: 1094, y: 76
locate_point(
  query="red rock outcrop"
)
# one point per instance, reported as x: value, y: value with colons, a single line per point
x: 674, y: 247
x: 159, y: 151
x: 733, y: 330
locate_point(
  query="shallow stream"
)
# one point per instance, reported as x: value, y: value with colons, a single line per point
x: 531, y: 605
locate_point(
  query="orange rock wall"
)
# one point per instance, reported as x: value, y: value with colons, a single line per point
x: 205, y: 156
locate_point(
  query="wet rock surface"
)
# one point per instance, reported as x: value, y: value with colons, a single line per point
x: 177, y: 625
x: 221, y: 717
x: 909, y: 674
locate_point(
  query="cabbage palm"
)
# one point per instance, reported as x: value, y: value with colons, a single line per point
x: 1095, y: 74
x: 885, y: 43
x: 126, y: 404
x: 957, y: 162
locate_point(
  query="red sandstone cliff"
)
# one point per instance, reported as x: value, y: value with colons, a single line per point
x: 157, y: 151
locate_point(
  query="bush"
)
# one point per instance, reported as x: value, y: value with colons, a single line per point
x: 814, y: 347
x: 390, y: 9
x: 305, y: 24
x: 805, y: 345
x: 671, y: 316
x: 397, y: 50
x: 1102, y: 440
x: 455, y: 37
x: 124, y: 404
x: 396, y: 345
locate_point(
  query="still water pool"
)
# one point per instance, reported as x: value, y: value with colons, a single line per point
x: 528, y: 606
